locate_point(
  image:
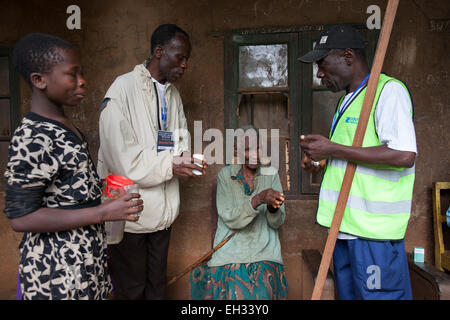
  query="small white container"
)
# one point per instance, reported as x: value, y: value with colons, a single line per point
x: 418, y: 254
x: 201, y: 158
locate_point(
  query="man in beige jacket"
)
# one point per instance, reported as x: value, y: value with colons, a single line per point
x: 143, y: 135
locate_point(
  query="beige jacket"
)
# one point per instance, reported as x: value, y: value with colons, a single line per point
x: 128, y: 136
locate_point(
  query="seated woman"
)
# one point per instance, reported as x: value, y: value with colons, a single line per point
x: 249, y: 266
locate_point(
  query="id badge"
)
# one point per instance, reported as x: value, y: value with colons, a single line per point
x: 165, y: 141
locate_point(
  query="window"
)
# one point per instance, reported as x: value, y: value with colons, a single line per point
x: 266, y: 85
x: 9, y: 105
x: 263, y: 66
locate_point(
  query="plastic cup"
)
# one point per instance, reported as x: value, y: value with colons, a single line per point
x: 134, y: 188
x: 117, y: 186
x: 200, y: 157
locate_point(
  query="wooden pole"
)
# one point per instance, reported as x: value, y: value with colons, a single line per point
x: 200, y: 260
x: 383, y: 42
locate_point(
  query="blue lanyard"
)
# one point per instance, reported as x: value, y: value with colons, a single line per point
x: 163, y: 108
x: 164, y: 112
x: 339, y: 113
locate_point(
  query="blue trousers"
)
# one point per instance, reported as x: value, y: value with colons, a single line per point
x: 371, y: 270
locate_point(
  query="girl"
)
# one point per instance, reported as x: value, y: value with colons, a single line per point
x: 53, y: 191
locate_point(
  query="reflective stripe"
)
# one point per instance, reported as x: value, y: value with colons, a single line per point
x: 386, y: 174
x: 376, y: 207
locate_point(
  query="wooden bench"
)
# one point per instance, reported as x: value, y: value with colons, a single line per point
x: 428, y: 282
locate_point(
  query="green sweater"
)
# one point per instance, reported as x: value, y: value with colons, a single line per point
x: 257, y: 236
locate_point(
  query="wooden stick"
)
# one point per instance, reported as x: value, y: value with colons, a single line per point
x: 199, y: 261
x: 357, y: 142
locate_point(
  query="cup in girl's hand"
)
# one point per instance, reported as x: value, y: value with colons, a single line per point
x: 117, y: 186
x: 200, y: 157
x: 132, y: 188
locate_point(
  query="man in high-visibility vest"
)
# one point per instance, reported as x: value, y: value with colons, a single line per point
x: 369, y: 257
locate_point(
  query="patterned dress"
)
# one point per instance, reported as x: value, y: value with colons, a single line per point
x: 262, y: 280
x: 49, y: 166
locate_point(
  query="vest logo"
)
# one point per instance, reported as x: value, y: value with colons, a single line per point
x: 351, y: 120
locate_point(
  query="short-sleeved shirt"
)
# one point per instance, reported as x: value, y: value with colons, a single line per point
x: 49, y: 166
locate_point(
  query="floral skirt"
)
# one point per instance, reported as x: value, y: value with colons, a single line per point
x: 265, y: 280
